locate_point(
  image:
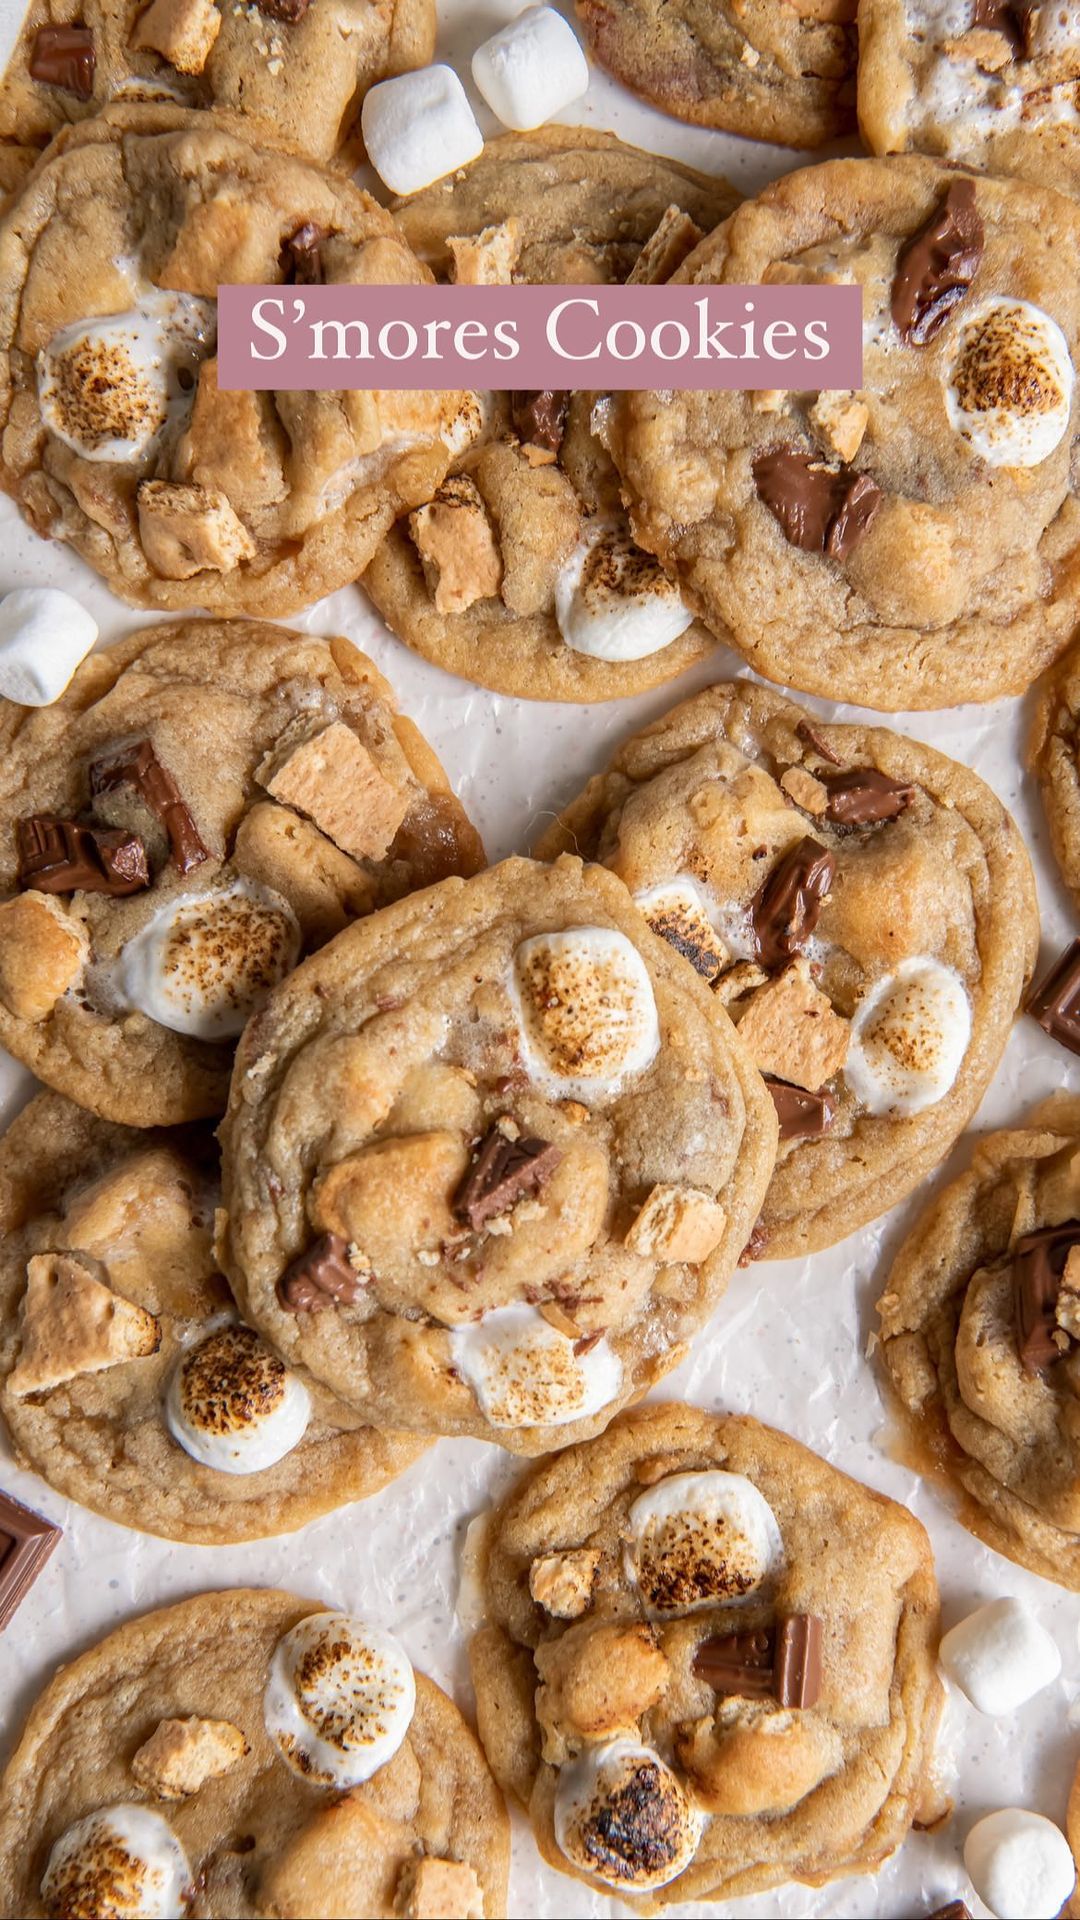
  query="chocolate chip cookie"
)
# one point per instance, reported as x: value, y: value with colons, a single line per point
x: 298, y: 68
x: 1054, y: 755
x: 707, y: 1662
x: 126, y: 1378
x: 491, y: 1157
x: 980, y: 1335
x: 116, y: 435
x: 780, y: 70
x: 917, y: 543
x: 280, y: 1757
x: 988, y: 83
x: 863, y: 906
x: 206, y: 802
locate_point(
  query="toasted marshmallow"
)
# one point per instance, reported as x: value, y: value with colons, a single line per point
x: 586, y: 1008
x: 700, y: 1539
x: 525, y: 1373
x: 233, y: 1405
x: 108, y: 387
x: 1009, y: 389
x: 44, y: 635
x: 1020, y: 1865
x: 908, y: 1038
x: 623, y: 1816
x: 123, y: 1862
x: 418, y: 127
x: 531, y: 69
x: 676, y: 910
x: 206, y: 961
x: 1000, y: 1656
x: 614, y: 602
x: 339, y: 1699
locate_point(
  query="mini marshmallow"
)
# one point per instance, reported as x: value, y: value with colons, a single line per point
x: 108, y: 387
x: 419, y: 127
x: 531, y: 69
x: 622, y: 1790
x: 206, y: 961
x: 1000, y: 1656
x: 233, y: 1405
x: 613, y: 602
x: 1020, y: 1865
x: 586, y: 1010
x: 339, y: 1700
x: 525, y: 1373
x: 909, y: 1036
x: 1009, y: 390
x: 44, y: 636
x: 700, y: 1540
x: 128, y: 1850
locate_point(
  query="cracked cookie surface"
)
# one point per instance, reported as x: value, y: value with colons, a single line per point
x: 1054, y: 755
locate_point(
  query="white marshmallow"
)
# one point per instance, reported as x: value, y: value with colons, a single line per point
x: 614, y: 602
x: 206, y: 961
x: 339, y: 1699
x: 1020, y: 1865
x: 657, y: 1830
x: 148, y: 1876
x: 108, y: 387
x: 700, y: 1539
x: 233, y: 1405
x: 585, y: 1005
x: 1000, y: 1656
x: 531, y: 69
x: 678, y: 912
x: 908, y: 1038
x: 1009, y: 389
x: 44, y: 636
x: 525, y: 1373
x: 419, y: 127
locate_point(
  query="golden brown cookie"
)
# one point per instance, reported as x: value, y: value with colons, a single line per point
x: 116, y: 436
x: 707, y: 1660
x: 980, y: 1325
x: 917, y: 543
x: 1054, y: 756
x: 863, y: 906
x: 170, y: 1755
x: 491, y: 1158
x: 205, y: 802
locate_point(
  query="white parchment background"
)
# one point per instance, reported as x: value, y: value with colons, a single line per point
x: 787, y: 1344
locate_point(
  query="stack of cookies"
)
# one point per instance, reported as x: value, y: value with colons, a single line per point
x: 345, y: 1145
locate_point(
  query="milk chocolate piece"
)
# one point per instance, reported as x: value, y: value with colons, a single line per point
x: 319, y: 1277
x: 501, y: 1174
x: 802, y: 1115
x: 936, y: 268
x: 785, y: 908
x: 64, y: 57
x: 820, y: 509
x: 807, y: 731
x: 300, y: 258
x: 797, y: 1668
x: 1038, y: 1264
x: 782, y: 1662
x: 1055, y: 1002
x: 956, y: 1910
x: 862, y: 796
x: 540, y: 418
x: 60, y: 856
x: 138, y: 766
x: 1010, y: 17
x: 26, y: 1541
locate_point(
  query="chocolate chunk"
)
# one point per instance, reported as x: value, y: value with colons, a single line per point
x: 785, y: 908
x: 300, y: 258
x: 755, y: 1246
x: 802, y: 1115
x: 290, y: 11
x: 1010, y: 17
x: 138, y: 766
x: 64, y: 57
x: 1055, y: 1002
x: 956, y: 1910
x: 26, y: 1541
x: 782, y: 1662
x: 319, y: 1277
x: 501, y: 1174
x: 936, y: 268
x: 861, y: 797
x: 1038, y: 1264
x: 808, y: 732
x: 60, y: 856
x: 540, y: 418
x: 820, y: 509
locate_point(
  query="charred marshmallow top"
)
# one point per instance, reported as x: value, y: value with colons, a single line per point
x: 121, y: 1863
x: 586, y: 1009
x: 339, y: 1699
x: 233, y: 1405
x: 1009, y: 390
x: 108, y: 387
x: 700, y: 1539
x: 908, y: 1038
x: 526, y: 1373
x: 614, y: 602
x: 206, y: 961
x: 623, y: 1816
